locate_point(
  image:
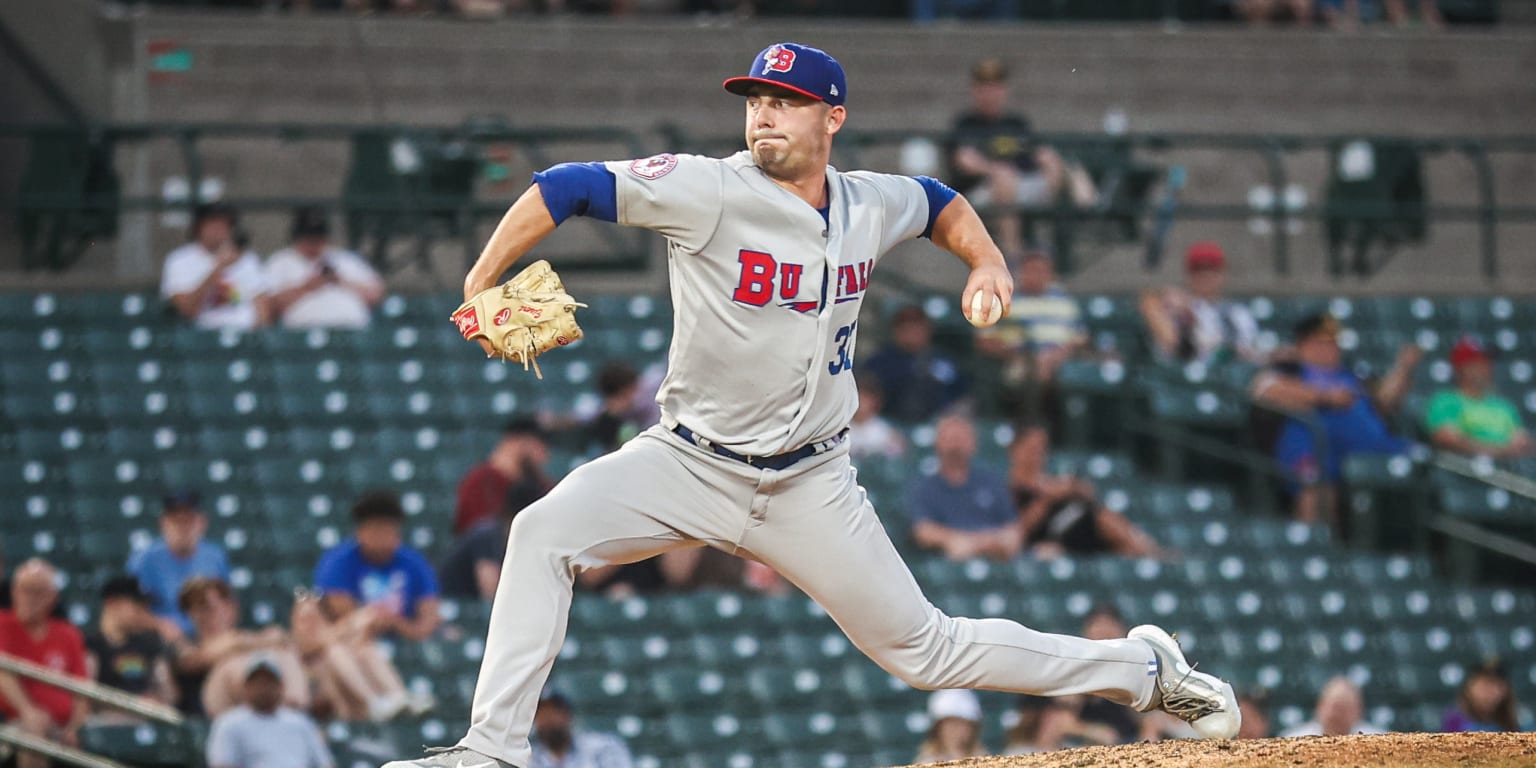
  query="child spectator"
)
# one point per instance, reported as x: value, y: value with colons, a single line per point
x: 126, y: 652
x: 209, y: 663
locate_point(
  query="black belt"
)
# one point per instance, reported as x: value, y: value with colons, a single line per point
x: 778, y: 462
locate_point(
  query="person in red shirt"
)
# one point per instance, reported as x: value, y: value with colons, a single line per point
x: 511, y: 478
x: 28, y: 632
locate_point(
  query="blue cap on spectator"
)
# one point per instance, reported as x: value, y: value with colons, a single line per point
x: 799, y: 68
x: 181, y: 499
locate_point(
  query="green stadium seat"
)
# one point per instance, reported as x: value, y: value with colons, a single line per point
x: 140, y: 744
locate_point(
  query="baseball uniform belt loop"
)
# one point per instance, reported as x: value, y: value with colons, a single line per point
x: 777, y: 462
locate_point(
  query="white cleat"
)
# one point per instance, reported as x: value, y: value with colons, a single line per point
x: 450, y: 757
x: 1204, y: 701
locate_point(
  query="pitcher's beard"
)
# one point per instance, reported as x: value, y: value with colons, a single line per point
x: 766, y: 157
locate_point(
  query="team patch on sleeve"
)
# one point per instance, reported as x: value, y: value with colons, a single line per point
x: 653, y: 168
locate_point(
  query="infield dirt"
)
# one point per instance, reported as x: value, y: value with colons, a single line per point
x: 1393, y: 750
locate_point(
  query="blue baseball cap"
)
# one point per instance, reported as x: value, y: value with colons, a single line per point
x: 799, y: 68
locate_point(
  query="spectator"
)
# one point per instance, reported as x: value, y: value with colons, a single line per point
x: 375, y: 572
x: 558, y: 744
x: 954, y: 730
x: 1042, y: 330
x: 263, y: 733
x: 214, y: 280
x: 1195, y: 323
x: 351, y: 676
x: 29, y: 633
x: 1049, y: 724
x: 963, y: 510
x: 997, y: 162
x: 1266, y: 11
x: 1471, y: 418
x: 1101, y: 721
x: 208, y: 664
x: 472, y: 568
x: 918, y: 380
x: 126, y: 652
x: 619, y: 420
x: 511, y: 478
x: 1339, y: 711
x: 1486, y: 702
x: 869, y: 434
x: 1317, y: 384
x: 179, y: 554
x: 1255, y: 710
x: 1346, y: 15
x: 1062, y: 514
x: 314, y: 284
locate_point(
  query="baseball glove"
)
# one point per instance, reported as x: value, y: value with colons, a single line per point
x: 523, y: 317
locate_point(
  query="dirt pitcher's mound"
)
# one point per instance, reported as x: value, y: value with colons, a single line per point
x: 1393, y: 750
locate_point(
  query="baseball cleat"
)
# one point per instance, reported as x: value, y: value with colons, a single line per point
x: 1204, y: 701
x: 451, y: 757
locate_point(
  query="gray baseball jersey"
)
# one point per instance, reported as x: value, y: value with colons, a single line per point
x: 772, y: 277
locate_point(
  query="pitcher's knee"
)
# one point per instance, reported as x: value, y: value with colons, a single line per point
x: 922, y: 658
x: 538, y: 528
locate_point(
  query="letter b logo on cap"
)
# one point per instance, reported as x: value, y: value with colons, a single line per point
x: 779, y: 59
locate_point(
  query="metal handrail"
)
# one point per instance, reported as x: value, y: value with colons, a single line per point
x: 111, y: 697
x: 10, y: 734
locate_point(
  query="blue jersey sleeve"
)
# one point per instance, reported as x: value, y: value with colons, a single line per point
x: 333, y: 575
x: 579, y: 189
x: 939, y: 196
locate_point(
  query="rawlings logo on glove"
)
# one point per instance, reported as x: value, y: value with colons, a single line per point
x: 530, y: 314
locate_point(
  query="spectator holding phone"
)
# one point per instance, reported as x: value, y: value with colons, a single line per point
x: 317, y: 285
x: 214, y: 280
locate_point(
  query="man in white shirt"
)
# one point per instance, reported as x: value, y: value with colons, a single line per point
x: 213, y: 280
x: 263, y: 733
x: 316, y: 285
x: 1340, y: 708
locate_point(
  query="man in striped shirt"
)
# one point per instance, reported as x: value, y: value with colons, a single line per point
x: 1044, y: 329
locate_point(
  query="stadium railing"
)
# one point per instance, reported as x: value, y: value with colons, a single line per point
x: 69, y: 209
x: 143, y: 708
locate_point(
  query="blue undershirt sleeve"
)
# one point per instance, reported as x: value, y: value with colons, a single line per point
x: 939, y: 196
x: 579, y: 189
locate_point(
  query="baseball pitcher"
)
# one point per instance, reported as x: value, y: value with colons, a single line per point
x: 770, y: 252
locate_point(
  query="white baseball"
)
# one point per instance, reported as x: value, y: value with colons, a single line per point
x: 991, y: 317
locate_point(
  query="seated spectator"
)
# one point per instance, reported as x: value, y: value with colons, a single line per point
x: 314, y: 284
x: 375, y: 572
x: 557, y: 743
x: 1340, y: 708
x: 1195, y: 323
x: 998, y: 163
x: 619, y: 420
x: 29, y: 633
x: 918, y: 379
x: 1101, y: 721
x: 178, y: 555
x: 214, y: 280
x: 1266, y: 11
x: 1486, y: 702
x: 351, y: 676
x: 1316, y: 383
x: 1049, y: 724
x: 963, y: 510
x: 511, y: 478
x: 1062, y: 514
x: 869, y: 434
x: 472, y: 567
x: 954, y: 729
x: 208, y: 664
x: 1346, y: 15
x: 126, y: 651
x: 1043, y: 330
x: 263, y: 733
x: 1471, y: 418
x: 1255, y: 710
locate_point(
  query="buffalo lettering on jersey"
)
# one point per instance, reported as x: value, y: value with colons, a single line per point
x: 761, y: 273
